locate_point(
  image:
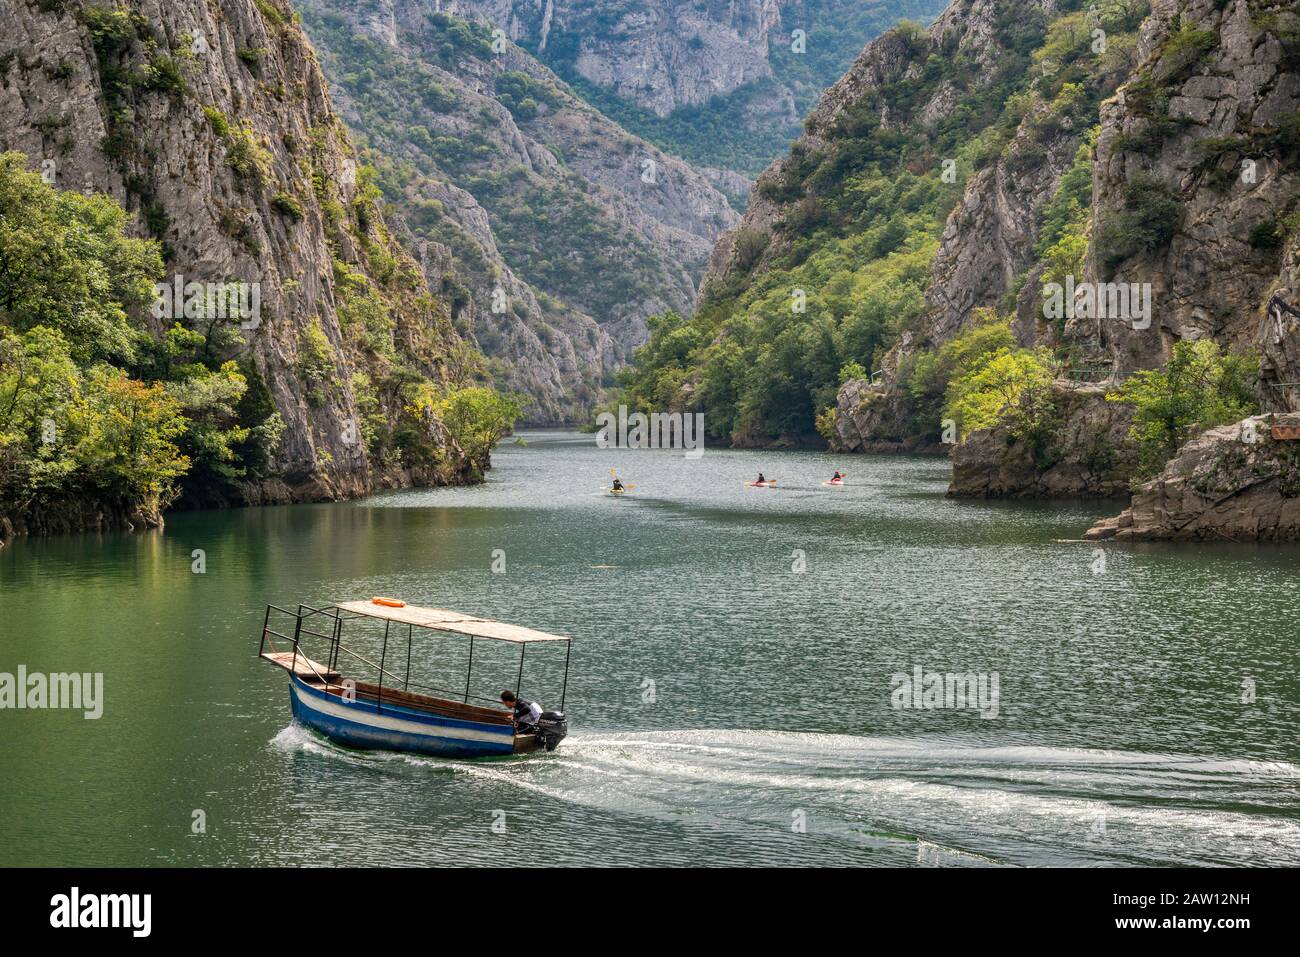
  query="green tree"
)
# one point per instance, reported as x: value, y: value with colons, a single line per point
x: 1199, y: 388
x: 38, y: 383
x: 476, y: 417
x: 123, y: 439
x: 929, y: 375
x: 66, y: 262
x: 1007, y: 387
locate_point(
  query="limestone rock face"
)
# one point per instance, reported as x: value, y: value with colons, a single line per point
x: 1089, y: 455
x: 991, y: 236
x: 557, y: 308
x: 245, y: 173
x: 1209, y: 122
x: 661, y: 55
x: 1239, y: 482
x: 873, y: 418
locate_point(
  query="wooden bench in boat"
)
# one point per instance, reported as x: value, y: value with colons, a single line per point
x: 420, y: 702
x: 303, y: 666
x: 320, y: 676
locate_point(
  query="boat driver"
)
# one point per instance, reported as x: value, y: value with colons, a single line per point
x: 527, y: 712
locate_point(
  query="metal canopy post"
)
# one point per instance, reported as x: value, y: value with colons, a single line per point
x: 470, y: 668
x: 568, y: 649
x: 379, y: 702
x: 266, y: 623
x: 297, y: 636
x: 520, y: 680
x: 406, y: 685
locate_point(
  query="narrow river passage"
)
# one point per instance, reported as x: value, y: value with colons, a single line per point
x: 741, y: 688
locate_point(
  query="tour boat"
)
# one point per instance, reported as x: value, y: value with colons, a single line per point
x: 389, y: 712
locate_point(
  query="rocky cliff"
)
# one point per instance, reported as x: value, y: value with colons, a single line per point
x: 1194, y: 195
x: 1089, y: 455
x: 989, y: 249
x: 211, y: 122
x: 1195, y: 190
x: 1198, y: 167
x: 720, y: 82
x: 566, y: 231
x: 915, y: 196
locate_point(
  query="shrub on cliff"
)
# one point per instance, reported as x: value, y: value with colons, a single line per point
x: 476, y: 417
x: 1152, y: 213
x: 928, y: 376
x: 1199, y: 388
x: 1010, y: 388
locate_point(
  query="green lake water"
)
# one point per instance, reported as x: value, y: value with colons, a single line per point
x: 726, y: 708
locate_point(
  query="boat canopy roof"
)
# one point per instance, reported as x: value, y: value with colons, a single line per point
x: 440, y: 619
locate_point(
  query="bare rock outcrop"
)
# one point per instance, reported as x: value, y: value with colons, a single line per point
x: 990, y: 237
x: 1089, y: 454
x: 1239, y: 482
x: 868, y: 419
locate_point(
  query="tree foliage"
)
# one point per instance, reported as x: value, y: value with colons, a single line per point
x: 1199, y: 388
x: 476, y: 417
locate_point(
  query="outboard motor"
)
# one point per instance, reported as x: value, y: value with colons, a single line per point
x: 552, y: 728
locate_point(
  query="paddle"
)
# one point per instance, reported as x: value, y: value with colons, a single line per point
x: 613, y: 473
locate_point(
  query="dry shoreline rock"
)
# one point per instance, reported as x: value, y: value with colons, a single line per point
x: 1236, y: 483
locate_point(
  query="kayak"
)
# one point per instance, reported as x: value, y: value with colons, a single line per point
x: 833, y: 482
x: 771, y: 484
x: 620, y: 491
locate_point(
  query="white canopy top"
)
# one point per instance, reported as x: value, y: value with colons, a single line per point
x: 440, y: 619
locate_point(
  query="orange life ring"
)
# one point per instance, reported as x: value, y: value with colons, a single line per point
x: 388, y: 602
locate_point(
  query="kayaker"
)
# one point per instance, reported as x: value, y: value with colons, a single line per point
x: 761, y: 480
x: 837, y: 477
x: 618, y: 485
x: 527, y: 712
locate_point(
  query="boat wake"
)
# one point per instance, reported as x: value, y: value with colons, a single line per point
x: 931, y: 802
x: 944, y: 803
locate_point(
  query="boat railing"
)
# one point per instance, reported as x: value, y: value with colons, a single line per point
x: 336, y: 647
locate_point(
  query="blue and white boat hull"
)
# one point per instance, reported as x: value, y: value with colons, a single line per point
x: 364, y: 724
